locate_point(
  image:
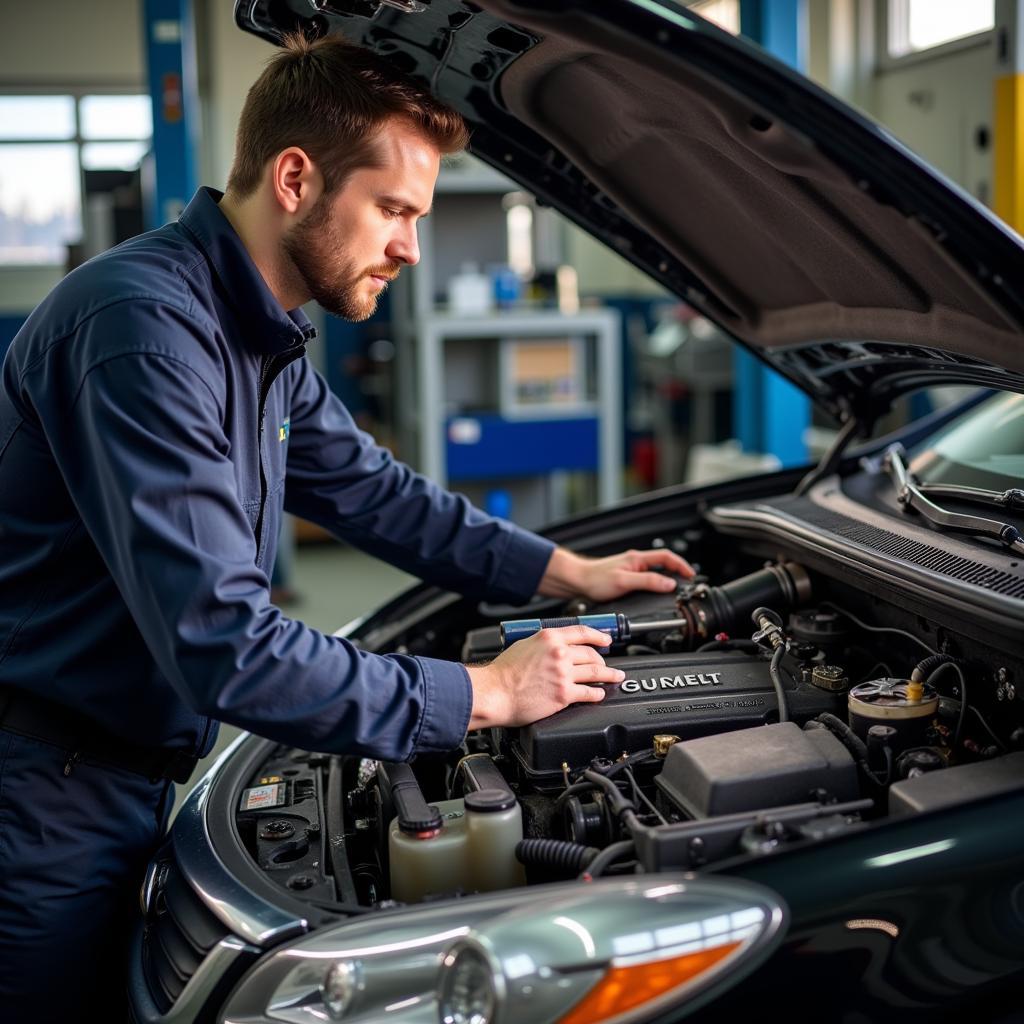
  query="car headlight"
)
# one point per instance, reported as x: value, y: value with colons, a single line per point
x: 468, y: 993
x: 340, y: 988
x: 609, y: 952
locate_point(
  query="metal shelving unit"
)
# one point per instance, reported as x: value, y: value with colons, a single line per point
x: 435, y: 347
x: 601, y: 327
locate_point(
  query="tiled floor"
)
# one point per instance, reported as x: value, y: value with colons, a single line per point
x: 334, y: 584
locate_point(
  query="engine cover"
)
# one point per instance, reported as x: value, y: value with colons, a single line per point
x: 682, y: 694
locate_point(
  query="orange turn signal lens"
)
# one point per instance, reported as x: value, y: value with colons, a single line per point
x: 626, y: 988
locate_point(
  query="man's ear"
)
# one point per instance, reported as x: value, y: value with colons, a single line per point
x: 295, y: 181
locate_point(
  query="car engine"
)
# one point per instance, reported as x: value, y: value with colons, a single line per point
x: 776, y: 707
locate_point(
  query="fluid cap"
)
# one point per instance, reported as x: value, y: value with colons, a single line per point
x: 489, y: 801
x: 424, y: 827
x: 890, y: 700
x: 829, y: 677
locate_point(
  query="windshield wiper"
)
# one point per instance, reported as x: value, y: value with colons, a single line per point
x: 912, y: 498
x: 1012, y: 498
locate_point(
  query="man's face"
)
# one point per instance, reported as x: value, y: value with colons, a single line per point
x: 354, y: 241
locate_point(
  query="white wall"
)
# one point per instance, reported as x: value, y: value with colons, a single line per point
x: 937, y: 106
x: 66, y: 44
x: 934, y: 102
x: 841, y: 48
x: 72, y: 42
x: 80, y: 43
x: 602, y: 272
x: 232, y: 61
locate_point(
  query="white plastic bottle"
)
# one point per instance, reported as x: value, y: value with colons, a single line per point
x: 430, y: 862
x: 470, y: 292
x: 494, y: 824
x: 474, y: 850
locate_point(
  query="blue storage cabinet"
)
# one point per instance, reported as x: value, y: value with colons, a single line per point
x: 487, y: 446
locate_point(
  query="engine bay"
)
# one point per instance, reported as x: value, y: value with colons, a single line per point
x: 770, y: 705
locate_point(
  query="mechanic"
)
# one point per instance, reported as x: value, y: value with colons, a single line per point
x: 156, y: 416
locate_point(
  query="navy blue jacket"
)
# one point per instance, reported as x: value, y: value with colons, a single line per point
x: 156, y: 414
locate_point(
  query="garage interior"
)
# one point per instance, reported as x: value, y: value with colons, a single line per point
x: 108, y: 125
x: 836, y: 663
x: 515, y: 325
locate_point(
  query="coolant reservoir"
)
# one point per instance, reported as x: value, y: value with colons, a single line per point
x: 472, y: 851
x: 494, y: 823
x: 432, y: 861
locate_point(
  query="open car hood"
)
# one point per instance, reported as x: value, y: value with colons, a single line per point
x: 801, y: 228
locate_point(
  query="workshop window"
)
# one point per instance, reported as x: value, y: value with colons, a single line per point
x: 917, y: 25
x: 46, y: 143
x: 724, y: 13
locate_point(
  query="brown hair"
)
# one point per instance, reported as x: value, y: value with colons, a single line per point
x: 329, y: 98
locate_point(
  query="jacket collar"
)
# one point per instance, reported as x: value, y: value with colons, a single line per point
x: 273, y: 329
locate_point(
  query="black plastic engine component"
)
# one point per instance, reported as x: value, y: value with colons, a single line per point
x: 961, y: 784
x: 415, y: 815
x: 919, y: 760
x: 280, y: 816
x: 709, y: 611
x: 824, y: 629
x: 767, y: 767
x: 584, y: 821
x: 477, y: 773
x: 687, y: 695
x: 703, y: 610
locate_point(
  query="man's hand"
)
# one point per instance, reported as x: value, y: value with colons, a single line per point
x: 604, y: 579
x: 540, y: 675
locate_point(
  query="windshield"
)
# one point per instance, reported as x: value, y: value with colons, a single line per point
x: 983, y: 448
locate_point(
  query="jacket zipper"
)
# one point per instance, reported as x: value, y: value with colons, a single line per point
x: 270, y: 370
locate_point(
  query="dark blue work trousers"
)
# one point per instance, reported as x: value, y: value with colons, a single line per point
x: 73, y: 851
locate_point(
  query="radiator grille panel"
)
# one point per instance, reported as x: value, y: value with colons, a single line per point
x: 180, y: 932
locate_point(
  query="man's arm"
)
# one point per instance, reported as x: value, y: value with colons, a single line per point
x: 139, y: 440
x: 341, y: 479
x: 140, y: 443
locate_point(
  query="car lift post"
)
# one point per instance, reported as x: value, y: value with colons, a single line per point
x: 1008, y: 113
x: 171, y: 74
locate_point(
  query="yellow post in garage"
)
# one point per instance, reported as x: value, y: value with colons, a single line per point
x: 1008, y: 142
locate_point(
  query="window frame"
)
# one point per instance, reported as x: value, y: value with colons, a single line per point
x: 695, y: 6
x: 77, y: 93
x: 887, y: 61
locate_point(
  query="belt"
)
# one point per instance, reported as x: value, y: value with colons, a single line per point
x: 41, y: 719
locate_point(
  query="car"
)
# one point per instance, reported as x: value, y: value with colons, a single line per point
x: 805, y: 799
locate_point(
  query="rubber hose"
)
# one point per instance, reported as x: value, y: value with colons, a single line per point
x: 780, y: 693
x: 845, y: 735
x: 853, y: 743
x: 923, y: 669
x: 569, y: 857
x: 954, y: 665
x: 608, y: 855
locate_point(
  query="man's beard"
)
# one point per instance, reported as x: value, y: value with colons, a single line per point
x: 317, y: 252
